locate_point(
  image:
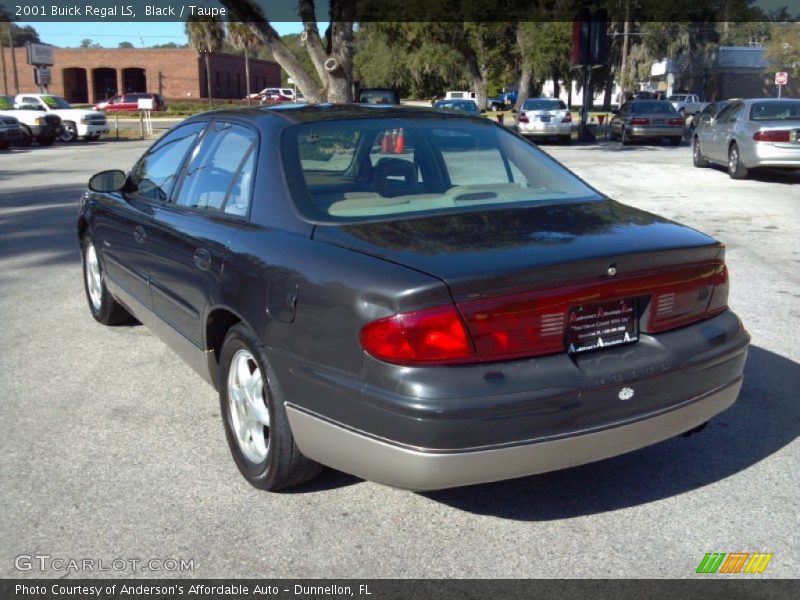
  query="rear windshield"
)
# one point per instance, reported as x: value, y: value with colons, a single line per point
x: 786, y: 110
x: 378, y: 97
x: 656, y: 107
x: 462, y: 105
x: 372, y: 169
x: 544, y: 105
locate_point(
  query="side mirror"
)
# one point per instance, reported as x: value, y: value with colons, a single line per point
x: 108, y: 181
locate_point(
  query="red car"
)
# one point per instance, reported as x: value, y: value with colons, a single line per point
x: 130, y: 102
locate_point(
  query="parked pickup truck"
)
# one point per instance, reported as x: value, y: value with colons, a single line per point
x: 42, y: 127
x: 687, y: 104
x: 88, y: 124
x: 491, y: 103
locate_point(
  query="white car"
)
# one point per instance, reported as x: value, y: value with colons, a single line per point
x: 545, y: 118
x: 75, y: 122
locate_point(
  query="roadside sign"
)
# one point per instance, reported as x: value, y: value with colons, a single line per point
x: 781, y: 78
x: 43, y: 75
x: 40, y: 55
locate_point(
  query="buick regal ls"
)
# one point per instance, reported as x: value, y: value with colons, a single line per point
x: 416, y: 297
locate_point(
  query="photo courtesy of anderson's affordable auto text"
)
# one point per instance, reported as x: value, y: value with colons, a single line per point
x: 356, y: 299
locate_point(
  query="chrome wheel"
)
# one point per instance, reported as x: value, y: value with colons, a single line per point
x: 94, y: 282
x: 247, y: 403
x: 733, y: 159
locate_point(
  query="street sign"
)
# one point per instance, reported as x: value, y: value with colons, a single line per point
x: 43, y: 75
x: 781, y: 78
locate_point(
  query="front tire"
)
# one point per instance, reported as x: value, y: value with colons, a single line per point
x: 698, y: 159
x: 27, y: 137
x: 624, y: 138
x: 735, y: 167
x: 69, y: 132
x: 103, y: 306
x: 254, y: 415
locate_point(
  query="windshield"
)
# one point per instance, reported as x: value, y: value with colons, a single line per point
x: 370, y: 169
x: 55, y: 102
x: 544, y: 105
x: 462, y: 105
x: 655, y: 107
x: 786, y: 110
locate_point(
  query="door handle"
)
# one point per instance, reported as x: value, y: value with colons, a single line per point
x: 202, y: 259
x: 139, y: 234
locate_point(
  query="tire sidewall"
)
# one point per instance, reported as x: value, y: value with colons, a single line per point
x: 259, y: 474
x: 70, y: 133
x: 97, y: 313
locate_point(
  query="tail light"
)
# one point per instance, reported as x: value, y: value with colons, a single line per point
x: 533, y: 323
x: 431, y: 336
x: 677, y: 121
x: 639, y: 121
x: 523, y: 118
x: 782, y: 135
x: 567, y: 119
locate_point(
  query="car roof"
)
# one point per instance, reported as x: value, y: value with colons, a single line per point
x: 314, y: 113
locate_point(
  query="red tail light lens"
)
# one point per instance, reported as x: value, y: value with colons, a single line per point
x: 523, y: 118
x: 639, y: 121
x: 677, y: 121
x: 567, y: 119
x: 783, y: 135
x: 431, y: 336
x: 534, y: 323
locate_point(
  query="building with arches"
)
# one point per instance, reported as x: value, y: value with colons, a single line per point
x: 90, y: 75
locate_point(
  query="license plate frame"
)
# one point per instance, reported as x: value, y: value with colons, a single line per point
x: 605, y: 324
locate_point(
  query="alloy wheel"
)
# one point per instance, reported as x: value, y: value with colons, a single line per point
x: 94, y: 281
x: 247, y: 403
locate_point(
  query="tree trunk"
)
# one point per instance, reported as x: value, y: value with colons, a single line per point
x: 247, y: 73
x: 556, y: 84
x: 525, y: 86
x: 339, y: 66
x: 609, y: 91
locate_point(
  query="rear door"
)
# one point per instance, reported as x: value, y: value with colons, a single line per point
x: 192, y: 231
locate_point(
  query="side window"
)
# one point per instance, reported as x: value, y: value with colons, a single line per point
x: 155, y: 174
x: 730, y: 113
x: 471, y: 160
x: 220, y: 174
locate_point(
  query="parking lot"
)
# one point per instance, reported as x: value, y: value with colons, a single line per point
x: 113, y: 448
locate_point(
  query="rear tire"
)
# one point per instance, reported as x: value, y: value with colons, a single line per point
x: 698, y: 159
x: 735, y: 167
x: 27, y: 137
x: 626, y: 141
x: 254, y: 416
x: 566, y: 140
x: 103, y: 306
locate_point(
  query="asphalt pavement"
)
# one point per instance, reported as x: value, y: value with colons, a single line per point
x: 114, y: 449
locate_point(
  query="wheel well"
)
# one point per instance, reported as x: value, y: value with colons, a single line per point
x: 217, y: 326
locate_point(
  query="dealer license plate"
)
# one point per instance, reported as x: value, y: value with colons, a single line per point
x: 601, y: 325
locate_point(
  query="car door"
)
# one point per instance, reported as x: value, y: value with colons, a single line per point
x: 123, y: 220
x: 192, y: 231
x: 722, y: 130
x: 618, y: 120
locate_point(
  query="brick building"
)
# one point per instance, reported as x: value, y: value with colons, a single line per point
x: 88, y: 75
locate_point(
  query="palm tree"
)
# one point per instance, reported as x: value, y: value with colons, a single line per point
x: 243, y: 38
x: 206, y: 37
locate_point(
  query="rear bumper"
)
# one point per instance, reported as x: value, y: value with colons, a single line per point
x: 422, y: 469
x: 653, y: 132
x: 766, y: 154
x: 429, y: 413
x: 544, y: 129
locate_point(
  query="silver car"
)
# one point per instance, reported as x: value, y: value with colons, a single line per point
x: 646, y: 119
x: 545, y: 118
x: 748, y: 134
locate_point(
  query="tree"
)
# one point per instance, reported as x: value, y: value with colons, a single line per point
x: 333, y: 61
x: 124, y: 45
x: 87, y: 43
x: 783, y: 50
x: 545, y: 50
x: 206, y: 37
x: 244, y: 39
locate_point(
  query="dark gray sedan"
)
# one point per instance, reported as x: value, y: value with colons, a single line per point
x: 416, y: 297
x: 646, y: 119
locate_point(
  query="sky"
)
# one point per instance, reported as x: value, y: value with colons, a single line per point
x: 109, y: 35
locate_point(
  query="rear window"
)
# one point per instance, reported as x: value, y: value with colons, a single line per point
x: 544, y: 105
x: 462, y: 105
x: 656, y: 107
x: 786, y: 110
x: 377, y: 97
x: 373, y: 169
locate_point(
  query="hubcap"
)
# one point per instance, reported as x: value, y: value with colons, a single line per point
x: 247, y: 403
x: 93, y: 281
x: 733, y: 159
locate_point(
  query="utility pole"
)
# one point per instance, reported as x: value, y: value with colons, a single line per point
x: 3, y: 60
x: 625, y: 30
x: 13, y: 59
